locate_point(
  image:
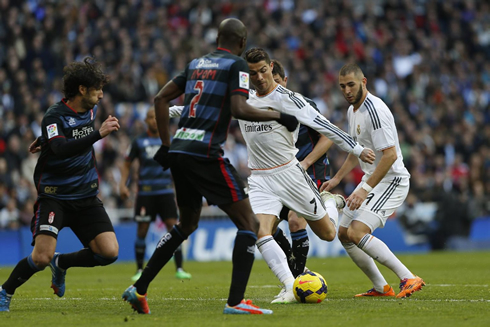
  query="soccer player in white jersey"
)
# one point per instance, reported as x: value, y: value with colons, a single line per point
x: 382, y: 190
x: 277, y: 179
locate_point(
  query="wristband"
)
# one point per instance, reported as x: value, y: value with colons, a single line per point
x: 366, y: 187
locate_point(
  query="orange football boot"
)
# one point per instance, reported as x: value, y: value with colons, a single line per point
x: 388, y: 291
x: 410, y: 285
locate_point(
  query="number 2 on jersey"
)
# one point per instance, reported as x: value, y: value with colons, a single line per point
x: 199, y: 87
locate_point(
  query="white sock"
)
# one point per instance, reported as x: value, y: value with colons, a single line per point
x: 332, y: 211
x: 380, y: 252
x: 367, y: 265
x: 276, y: 259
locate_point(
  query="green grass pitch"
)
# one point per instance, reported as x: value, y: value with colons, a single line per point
x: 457, y: 294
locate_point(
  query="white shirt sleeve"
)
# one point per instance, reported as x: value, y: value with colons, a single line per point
x: 297, y: 106
x: 175, y: 111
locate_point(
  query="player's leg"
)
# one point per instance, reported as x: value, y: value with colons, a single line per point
x: 366, y: 264
x: 300, y: 242
x: 39, y: 259
x: 140, y: 248
x: 143, y: 216
x: 281, y: 239
x: 165, y: 206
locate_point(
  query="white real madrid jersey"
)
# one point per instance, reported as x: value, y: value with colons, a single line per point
x: 373, y: 126
x: 270, y: 144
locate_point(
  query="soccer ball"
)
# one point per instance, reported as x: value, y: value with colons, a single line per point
x: 310, y: 287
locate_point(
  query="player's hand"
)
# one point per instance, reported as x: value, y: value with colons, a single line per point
x: 162, y: 157
x: 329, y: 185
x: 35, y: 146
x: 355, y: 200
x: 289, y: 121
x: 368, y: 156
x: 123, y: 192
x: 110, y: 125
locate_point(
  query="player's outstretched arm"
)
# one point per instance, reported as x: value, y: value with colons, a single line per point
x: 350, y: 162
x: 240, y: 109
x: 321, y: 147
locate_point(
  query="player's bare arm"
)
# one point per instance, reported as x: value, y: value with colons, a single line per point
x: 321, y: 147
x: 389, y: 156
x: 123, y: 189
x: 350, y: 162
x: 169, y: 92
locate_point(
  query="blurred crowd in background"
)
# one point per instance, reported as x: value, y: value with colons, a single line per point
x: 428, y: 60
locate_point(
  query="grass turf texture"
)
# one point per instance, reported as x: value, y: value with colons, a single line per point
x: 457, y: 294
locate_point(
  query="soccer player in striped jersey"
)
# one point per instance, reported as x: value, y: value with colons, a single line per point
x: 216, y: 86
x: 67, y: 183
x: 312, y: 157
x: 155, y: 192
x: 277, y: 179
x: 383, y: 188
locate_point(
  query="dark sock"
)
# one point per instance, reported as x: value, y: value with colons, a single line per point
x: 178, y: 257
x: 82, y: 258
x: 21, y: 274
x: 164, y: 251
x: 300, y: 248
x: 140, y: 250
x: 283, y: 242
x: 243, y: 259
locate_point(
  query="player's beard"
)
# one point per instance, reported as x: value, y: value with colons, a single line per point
x: 358, y: 96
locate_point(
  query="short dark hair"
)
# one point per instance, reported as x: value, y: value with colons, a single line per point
x: 87, y: 73
x: 256, y: 55
x: 351, y: 68
x: 278, y: 69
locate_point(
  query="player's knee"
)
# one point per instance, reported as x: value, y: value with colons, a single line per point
x: 105, y: 260
x: 188, y: 228
x: 354, y: 236
x: 328, y: 236
x: 41, y: 260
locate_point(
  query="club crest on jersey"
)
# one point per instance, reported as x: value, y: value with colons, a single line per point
x: 51, y: 217
x: 244, y: 80
x: 358, y: 129
x: 52, y: 130
x: 72, y: 121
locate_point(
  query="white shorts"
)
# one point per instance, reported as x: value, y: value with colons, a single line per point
x: 380, y: 204
x: 289, y: 186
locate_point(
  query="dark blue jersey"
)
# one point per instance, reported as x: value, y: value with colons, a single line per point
x: 209, y: 82
x: 307, y: 139
x: 152, y: 179
x: 67, y: 175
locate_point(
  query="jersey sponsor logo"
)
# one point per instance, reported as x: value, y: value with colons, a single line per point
x: 244, y: 80
x: 189, y: 134
x: 79, y: 133
x: 48, y: 228
x: 72, y: 121
x: 52, y: 130
x: 50, y: 189
x: 257, y: 127
x: 204, y: 74
x: 51, y: 217
x: 206, y: 63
